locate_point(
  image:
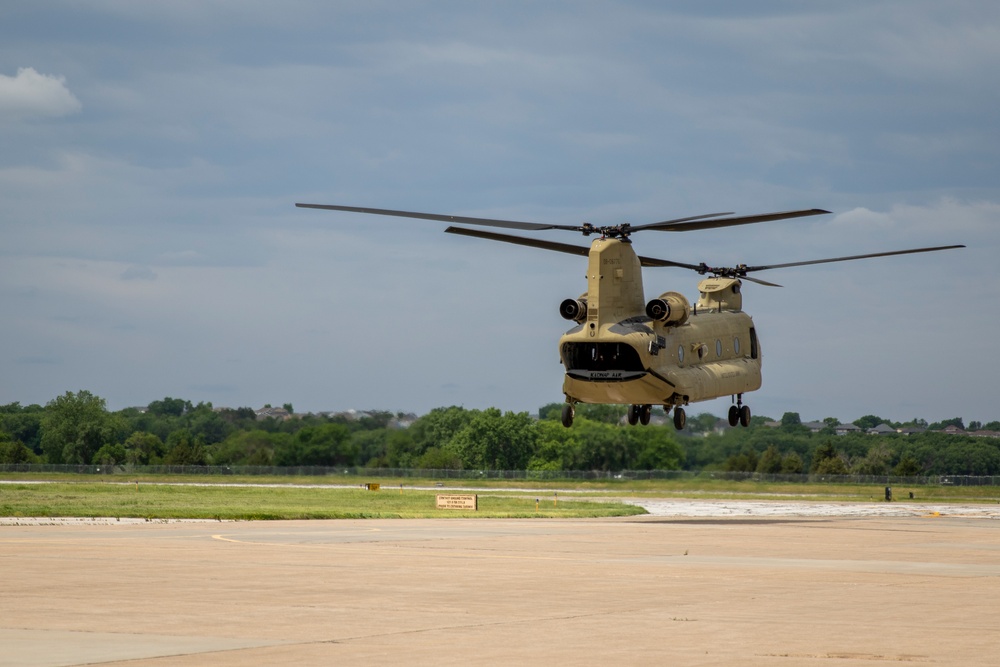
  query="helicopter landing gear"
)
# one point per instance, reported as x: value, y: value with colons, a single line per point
x: 680, y: 418
x: 568, y: 412
x: 739, y: 413
x: 639, y: 414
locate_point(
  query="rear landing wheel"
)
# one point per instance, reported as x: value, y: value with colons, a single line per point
x: 567, y: 415
x: 645, y: 411
x: 633, y: 414
x: 680, y: 419
x: 745, y: 416
x: 734, y: 415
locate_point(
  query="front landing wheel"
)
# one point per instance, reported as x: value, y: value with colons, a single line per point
x: 567, y: 415
x: 734, y: 415
x: 680, y: 418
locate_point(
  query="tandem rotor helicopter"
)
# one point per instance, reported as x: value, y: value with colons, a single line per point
x: 666, y: 351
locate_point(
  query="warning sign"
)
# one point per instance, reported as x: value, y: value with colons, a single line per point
x: 458, y: 502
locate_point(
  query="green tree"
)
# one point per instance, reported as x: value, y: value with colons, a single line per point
x: 183, y: 449
x: 823, y: 453
x: 833, y: 466
x: 15, y: 452
x: 656, y: 449
x: 207, y: 425
x: 111, y: 454
x: 791, y: 464
x: 556, y: 447
x: 435, y: 429
x: 746, y: 461
x: 875, y: 462
x: 439, y: 458
x: 169, y: 407
x: 791, y: 419
x: 322, y: 445
x: 75, y: 426
x: 869, y: 421
x: 23, y: 424
x: 142, y: 448
x: 495, y: 441
x: 251, y: 448
x: 770, y: 461
x: 703, y: 422
x: 908, y: 466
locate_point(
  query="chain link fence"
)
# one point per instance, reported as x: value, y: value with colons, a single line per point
x: 471, y: 475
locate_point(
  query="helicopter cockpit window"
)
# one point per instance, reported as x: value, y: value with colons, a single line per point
x: 601, y: 357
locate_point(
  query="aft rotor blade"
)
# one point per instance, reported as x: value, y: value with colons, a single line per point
x: 509, y: 224
x: 760, y: 282
x: 693, y: 224
x: 556, y: 246
x: 852, y: 257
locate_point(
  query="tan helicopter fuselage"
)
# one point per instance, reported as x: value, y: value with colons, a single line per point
x: 661, y: 353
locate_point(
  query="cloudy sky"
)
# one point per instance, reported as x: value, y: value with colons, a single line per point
x: 152, y: 154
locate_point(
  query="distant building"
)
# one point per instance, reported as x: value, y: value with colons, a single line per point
x: 273, y: 413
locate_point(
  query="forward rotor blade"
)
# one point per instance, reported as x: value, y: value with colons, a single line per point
x: 556, y: 246
x: 509, y: 224
x: 693, y: 224
x: 852, y: 257
x: 520, y: 240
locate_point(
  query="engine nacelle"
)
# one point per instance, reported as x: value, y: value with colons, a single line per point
x: 574, y: 309
x: 669, y: 308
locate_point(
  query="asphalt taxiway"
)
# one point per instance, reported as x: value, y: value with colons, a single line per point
x: 696, y: 589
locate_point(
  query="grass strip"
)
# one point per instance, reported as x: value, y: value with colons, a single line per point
x: 172, y: 501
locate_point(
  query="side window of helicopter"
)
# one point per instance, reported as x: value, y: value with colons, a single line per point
x: 736, y: 345
x: 680, y: 354
x: 718, y: 347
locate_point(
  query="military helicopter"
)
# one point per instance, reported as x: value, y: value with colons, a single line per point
x: 667, y: 351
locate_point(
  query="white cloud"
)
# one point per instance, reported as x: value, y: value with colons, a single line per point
x: 30, y: 94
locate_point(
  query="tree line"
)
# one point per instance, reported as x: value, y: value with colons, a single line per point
x: 77, y: 428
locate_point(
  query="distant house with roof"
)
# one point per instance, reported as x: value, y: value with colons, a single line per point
x: 273, y: 413
x: 881, y: 429
x: 845, y: 429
